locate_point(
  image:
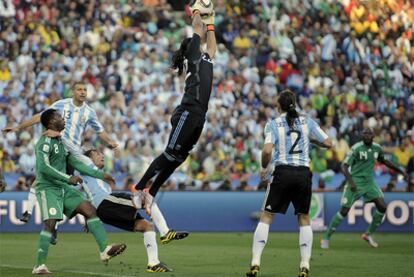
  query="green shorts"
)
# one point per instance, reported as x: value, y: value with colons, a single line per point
x: 59, y: 201
x: 368, y: 190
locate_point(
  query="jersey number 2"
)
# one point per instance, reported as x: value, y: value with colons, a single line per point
x: 298, y: 135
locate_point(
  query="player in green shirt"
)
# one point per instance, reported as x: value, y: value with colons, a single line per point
x: 57, y: 196
x: 360, y: 183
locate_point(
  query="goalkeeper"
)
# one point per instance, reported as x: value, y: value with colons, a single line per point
x: 189, y: 117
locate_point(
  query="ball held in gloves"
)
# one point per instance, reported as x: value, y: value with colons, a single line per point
x: 204, y: 6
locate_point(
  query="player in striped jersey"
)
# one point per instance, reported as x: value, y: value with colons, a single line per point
x: 358, y: 169
x: 78, y: 116
x: 290, y: 136
x: 118, y: 209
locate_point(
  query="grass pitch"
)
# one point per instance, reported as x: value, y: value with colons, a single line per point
x: 212, y: 254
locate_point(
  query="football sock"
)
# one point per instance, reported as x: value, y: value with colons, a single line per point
x: 150, y: 243
x: 376, y: 221
x: 305, y: 244
x: 159, y: 220
x: 43, y: 247
x: 159, y: 163
x: 259, y: 242
x: 96, y: 228
x: 335, y: 221
x: 163, y: 175
x: 32, y: 200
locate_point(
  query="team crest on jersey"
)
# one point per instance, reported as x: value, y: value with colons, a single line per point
x: 83, y: 120
x: 46, y: 148
x: 376, y: 155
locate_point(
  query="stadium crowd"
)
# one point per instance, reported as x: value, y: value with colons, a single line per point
x: 351, y: 63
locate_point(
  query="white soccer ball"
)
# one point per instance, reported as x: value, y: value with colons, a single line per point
x: 204, y: 6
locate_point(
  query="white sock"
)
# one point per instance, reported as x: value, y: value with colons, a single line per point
x: 259, y: 242
x: 150, y: 243
x: 305, y: 244
x: 159, y: 220
x: 32, y: 200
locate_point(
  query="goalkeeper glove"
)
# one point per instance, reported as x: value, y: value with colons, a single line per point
x: 208, y: 19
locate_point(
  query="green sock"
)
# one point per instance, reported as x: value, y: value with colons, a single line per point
x: 43, y: 247
x: 335, y: 221
x: 98, y: 231
x: 376, y: 221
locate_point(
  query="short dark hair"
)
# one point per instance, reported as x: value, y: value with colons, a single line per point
x: 46, y: 116
x: 89, y: 152
x: 77, y: 83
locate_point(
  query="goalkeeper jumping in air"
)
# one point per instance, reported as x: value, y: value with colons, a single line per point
x: 189, y: 117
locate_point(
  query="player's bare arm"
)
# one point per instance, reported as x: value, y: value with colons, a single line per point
x: 211, y: 37
x: 105, y: 138
x: 396, y: 168
x: 327, y: 143
x: 34, y: 120
x: 266, y: 157
x: 345, y: 170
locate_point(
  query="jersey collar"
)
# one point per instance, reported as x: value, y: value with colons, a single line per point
x: 83, y: 104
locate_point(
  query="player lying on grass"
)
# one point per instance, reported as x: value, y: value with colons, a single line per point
x: 56, y: 196
x: 118, y: 209
x: 358, y: 169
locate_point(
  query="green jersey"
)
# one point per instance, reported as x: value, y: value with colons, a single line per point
x: 361, y: 160
x: 51, y: 158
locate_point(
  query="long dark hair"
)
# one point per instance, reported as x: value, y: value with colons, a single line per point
x: 179, y: 56
x: 287, y: 102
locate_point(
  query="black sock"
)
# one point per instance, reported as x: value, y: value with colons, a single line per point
x: 156, y: 166
x: 164, y: 174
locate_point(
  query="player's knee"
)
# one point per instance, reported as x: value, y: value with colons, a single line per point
x: 49, y: 225
x: 87, y: 210
x: 344, y: 212
x: 382, y: 209
x: 143, y: 226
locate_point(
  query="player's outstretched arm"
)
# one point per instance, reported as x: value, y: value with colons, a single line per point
x: 87, y: 170
x: 34, y: 120
x: 396, y: 168
x: 327, y: 143
x: 211, y: 36
x: 105, y: 138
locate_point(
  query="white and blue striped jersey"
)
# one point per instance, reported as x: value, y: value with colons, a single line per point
x: 96, y: 189
x: 292, y: 145
x: 76, y: 120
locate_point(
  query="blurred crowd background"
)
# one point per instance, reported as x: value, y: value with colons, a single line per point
x: 351, y: 64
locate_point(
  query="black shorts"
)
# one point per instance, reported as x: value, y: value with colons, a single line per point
x: 117, y: 210
x: 186, y: 130
x: 289, y: 184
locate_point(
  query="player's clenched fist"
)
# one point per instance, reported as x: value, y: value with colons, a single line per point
x: 205, y: 7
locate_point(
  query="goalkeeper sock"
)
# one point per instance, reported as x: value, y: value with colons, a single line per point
x: 43, y: 247
x: 376, y: 221
x: 96, y: 228
x: 32, y: 200
x: 159, y: 219
x: 259, y: 242
x: 305, y: 244
x: 150, y: 243
x: 335, y: 221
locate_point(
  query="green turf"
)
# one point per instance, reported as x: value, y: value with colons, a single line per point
x: 213, y: 254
